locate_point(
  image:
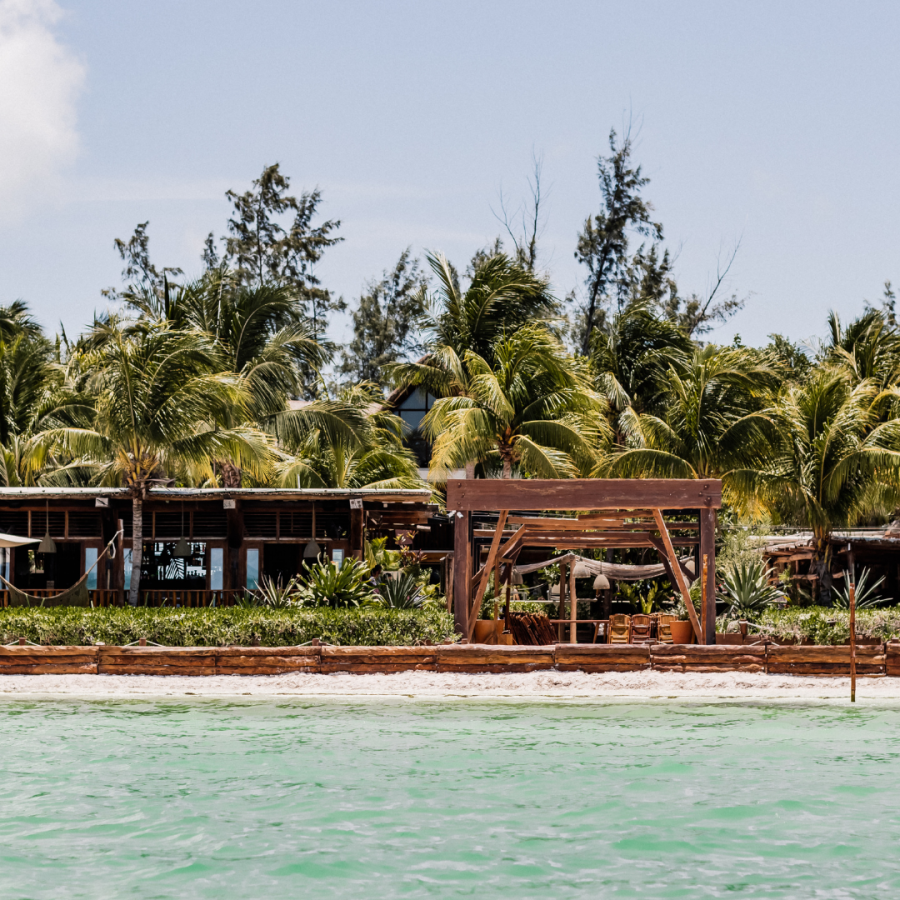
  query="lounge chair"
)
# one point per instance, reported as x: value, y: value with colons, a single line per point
x: 619, y: 629
x: 664, y: 627
x: 640, y: 629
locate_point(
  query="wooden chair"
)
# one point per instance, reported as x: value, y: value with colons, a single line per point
x: 640, y: 629
x: 619, y: 629
x: 664, y: 627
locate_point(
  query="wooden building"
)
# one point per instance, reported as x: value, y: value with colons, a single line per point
x: 235, y: 537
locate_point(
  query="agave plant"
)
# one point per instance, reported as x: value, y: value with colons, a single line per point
x: 325, y: 584
x: 275, y: 595
x: 401, y: 593
x: 746, y: 588
x: 866, y: 598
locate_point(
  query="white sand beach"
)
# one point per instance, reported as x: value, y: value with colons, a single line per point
x: 543, y: 685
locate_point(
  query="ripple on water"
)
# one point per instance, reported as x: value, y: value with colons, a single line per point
x: 397, y: 799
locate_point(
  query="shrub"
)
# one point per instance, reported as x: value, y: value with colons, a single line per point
x: 220, y: 627
x: 325, y: 584
x: 824, y: 625
x: 401, y: 593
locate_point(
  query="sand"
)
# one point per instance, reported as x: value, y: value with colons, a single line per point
x: 543, y: 685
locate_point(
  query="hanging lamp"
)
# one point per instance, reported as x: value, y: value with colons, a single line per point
x: 183, y: 549
x: 47, y: 544
x: 312, y: 549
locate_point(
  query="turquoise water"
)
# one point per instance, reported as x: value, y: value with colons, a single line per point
x: 388, y: 799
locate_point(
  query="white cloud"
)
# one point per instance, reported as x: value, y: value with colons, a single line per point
x: 40, y: 81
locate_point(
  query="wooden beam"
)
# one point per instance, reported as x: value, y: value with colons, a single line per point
x: 461, y: 566
x: 583, y: 493
x: 573, y: 608
x: 708, y: 554
x: 486, y: 572
x: 657, y: 542
x: 679, y: 575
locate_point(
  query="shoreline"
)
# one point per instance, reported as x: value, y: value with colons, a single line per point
x: 540, y: 685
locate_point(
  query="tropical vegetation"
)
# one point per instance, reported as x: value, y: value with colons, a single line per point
x: 230, y: 378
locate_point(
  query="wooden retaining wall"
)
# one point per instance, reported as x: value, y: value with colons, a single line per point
x: 878, y: 659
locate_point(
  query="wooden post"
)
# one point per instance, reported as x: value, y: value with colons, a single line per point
x: 852, y: 575
x: 573, y: 607
x: 563, y: 573
x: 704, y: 565
x: 486, y: 572
x: 507, y: 579
x: 462, y: 555
x: 357, y: 541
x: 708, y: 558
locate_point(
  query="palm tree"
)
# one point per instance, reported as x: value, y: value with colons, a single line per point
x: 716, y: 418
x: 502, y: 297
x: 154, y: 402
x: 262, y: 337
x: 838, y: 459
x: 372, y: 457
x: 629, y: 358
x: 528, y: 408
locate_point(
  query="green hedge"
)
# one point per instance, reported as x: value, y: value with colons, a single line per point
x: 823, y: 625
x: 220, y: 627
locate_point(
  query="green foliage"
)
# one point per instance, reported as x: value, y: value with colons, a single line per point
x: 275, y: 595
x: 263, y: 251
x: 401, y: 593
x: 386, y: 322
x: 824, y: 625
x: 378, y: 555
x: 647, y: 600
x: 746, y: 588
x: 866, y: 598
x: 347, y: 585
x: 222, y: 627
x: 531, y: 411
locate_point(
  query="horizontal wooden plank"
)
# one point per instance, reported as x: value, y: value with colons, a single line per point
x: 162, y: 652
x: 270, y: 651
x: 135, y: 669
x: 582, y: 493
x: 266, y: 670
x: 594, y: 667
x: 707, y: 651
x: 490, y: 668
x: 34, y: 660
x: 289, y: 662
x: 29, y: 650
x: 386, y: 652
x: 381, y: 669
x: 114, y: 659
x: 49, y: 669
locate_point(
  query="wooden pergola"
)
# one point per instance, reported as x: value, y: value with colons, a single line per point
x: 610, y: 513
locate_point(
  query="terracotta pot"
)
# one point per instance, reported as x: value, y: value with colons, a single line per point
x: 486, y: 631
x: 682, y: 633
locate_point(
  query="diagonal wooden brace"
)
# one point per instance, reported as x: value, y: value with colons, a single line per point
x: 679, y: 575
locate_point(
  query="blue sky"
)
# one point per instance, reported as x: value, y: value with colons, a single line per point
x: 774, y: 123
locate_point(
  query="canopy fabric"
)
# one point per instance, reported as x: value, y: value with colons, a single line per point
x: 616, y: 571
x: 13, y: 540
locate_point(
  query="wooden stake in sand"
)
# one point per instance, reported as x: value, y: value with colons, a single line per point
x: 852, y: 576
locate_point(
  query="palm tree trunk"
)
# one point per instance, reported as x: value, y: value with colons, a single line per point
x: 507, y: 469
x: 137, y: 548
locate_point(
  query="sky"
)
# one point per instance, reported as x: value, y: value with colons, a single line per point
x: 772, y: 124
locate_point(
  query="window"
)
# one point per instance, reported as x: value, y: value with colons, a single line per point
x: 216, y: 568
x: 337, y: 556
x: 126, y: 560
x: 90, y: 559
x: 412, y: 410
x: 252, y: 569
